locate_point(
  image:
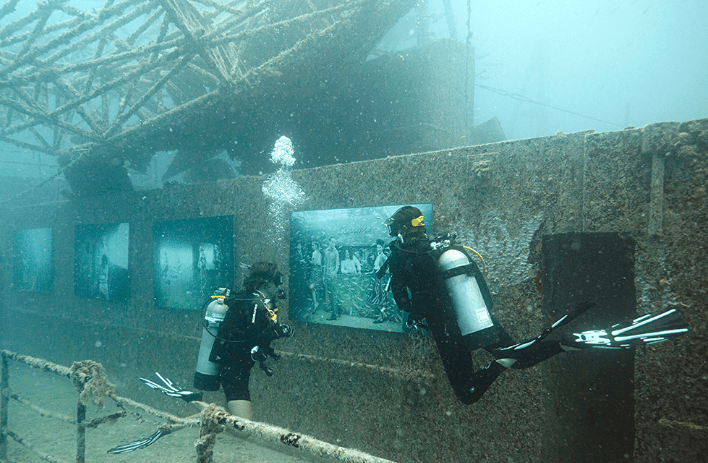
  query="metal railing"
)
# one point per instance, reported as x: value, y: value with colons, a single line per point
x: 90, y: 380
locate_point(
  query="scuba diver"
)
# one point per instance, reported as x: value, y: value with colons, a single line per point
x: 237, y: 333
x: 443, y: 291
x: 244, y: 337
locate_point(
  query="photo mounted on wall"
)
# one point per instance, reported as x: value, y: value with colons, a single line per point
x: 334, y: 255
x: 101, y: 261
x: 192, y: 258
x: 32, y: 260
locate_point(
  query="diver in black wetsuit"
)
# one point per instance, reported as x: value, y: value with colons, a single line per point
x: 244, y: 337
x: 442, y: 289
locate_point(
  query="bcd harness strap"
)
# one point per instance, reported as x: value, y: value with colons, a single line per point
x: 468, y: 269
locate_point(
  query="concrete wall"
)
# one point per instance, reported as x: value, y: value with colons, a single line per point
x: 647, y: 186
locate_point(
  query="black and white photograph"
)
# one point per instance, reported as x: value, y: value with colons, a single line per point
x: 192, y: 258
x: 334, y: 257
x: 32, y: 260
x: 101, y: 261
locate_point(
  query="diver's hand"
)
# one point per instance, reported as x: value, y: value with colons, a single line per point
x: 414, y: 323
x: 283, y: 331
x: 257, y: 355
x: 270, y: 352
x: 451, y: 237
x: 274, y: 332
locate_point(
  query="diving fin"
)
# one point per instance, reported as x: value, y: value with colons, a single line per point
x: 532, y: 351
x: 577, y: 311
x: 645, y: 330
x: 140, y: 444
x: 168, y: 388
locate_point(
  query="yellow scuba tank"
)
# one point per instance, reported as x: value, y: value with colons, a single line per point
x: 206, y: 376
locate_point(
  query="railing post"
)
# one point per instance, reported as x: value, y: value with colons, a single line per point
x: 4, y: 403
x: 207, y: 438
x: 80, y: 429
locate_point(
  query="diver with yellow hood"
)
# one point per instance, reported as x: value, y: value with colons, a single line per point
x: 437, y: 282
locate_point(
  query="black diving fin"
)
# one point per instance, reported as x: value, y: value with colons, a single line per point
x: 168, y: 388
x: 524, y: 347
x: 139, y: 444
x: 645, y: 330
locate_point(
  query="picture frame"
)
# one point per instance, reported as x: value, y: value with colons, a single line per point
x: 33, y: 268
x: 192, y: 258
x: 340, y: 288
x: 101, y: 261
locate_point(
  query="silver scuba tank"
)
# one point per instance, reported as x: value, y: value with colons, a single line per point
x: 206, y: 377
x: 464, y: 290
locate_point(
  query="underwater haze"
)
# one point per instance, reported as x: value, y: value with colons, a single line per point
x: 543, y: 66
x: 123, y: 258
x: 627, y: 63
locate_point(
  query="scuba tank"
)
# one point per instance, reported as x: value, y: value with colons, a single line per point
x: 206, y: 376
x: 470, y: 297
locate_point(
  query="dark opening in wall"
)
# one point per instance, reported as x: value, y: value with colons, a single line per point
x: 590, y: 392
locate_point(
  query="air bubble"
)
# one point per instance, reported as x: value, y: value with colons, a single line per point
x: 281, y: 190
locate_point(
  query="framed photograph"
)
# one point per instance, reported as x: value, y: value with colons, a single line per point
x: 32, y: 260
x: 334, y: 255
x: 192, y: 258
x: 101, y: 261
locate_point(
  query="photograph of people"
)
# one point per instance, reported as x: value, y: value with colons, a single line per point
x: 350, y: 264
x: 316, y: 283
x: 331, y: 268
x: 334, y: 256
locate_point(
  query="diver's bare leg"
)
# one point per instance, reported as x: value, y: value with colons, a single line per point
x: 240, y: 408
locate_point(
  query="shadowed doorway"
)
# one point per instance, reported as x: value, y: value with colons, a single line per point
x: 591, y: 392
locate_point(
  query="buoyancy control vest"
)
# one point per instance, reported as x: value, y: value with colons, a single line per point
x: 250, y: 321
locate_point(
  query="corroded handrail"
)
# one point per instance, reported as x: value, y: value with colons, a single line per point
x: 213, y: 419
